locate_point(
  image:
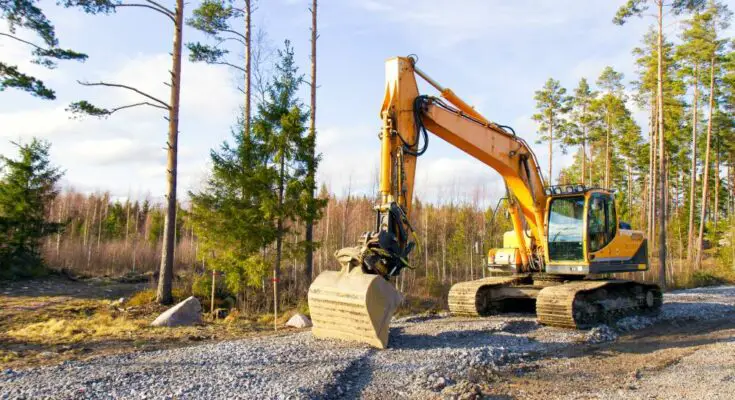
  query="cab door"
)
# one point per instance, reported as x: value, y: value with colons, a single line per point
x: 601, y: 222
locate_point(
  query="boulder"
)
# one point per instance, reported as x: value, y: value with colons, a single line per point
x: 188, y: 312
x: 299, y: 321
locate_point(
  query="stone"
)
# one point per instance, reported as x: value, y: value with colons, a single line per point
x: 188, y: 312
x: 299, y: 321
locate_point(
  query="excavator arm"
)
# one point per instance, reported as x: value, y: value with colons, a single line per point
x: 406, y: 117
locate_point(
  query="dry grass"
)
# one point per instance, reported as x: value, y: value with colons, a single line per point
x: 75, y: 330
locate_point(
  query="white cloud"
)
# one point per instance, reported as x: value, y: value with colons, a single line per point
x: 118, y: 151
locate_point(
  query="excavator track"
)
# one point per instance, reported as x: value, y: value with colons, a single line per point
x: 583, y: 304
x: 474, y: 298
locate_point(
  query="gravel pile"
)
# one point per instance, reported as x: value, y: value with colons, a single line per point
x: 429, y: 357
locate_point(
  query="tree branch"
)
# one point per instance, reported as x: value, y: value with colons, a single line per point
x: 238, y: 34
x: 22, y: 41
x: 222, y: 40
x: 144, y: 103
x: 229, y: 65
x: 161, y: 6
x: 164, y: 11
x: 161, y: 102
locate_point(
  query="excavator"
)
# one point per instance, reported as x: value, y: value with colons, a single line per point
x: 566, y: 239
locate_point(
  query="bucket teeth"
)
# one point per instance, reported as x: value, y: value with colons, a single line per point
x: 352, y: 306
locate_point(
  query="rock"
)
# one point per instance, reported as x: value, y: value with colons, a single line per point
x: 439, y: 384
x: 188, y: 312
x: 601, y: 334
x: 299, y: 321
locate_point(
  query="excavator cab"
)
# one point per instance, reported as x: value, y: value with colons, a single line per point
x: 585, y: 237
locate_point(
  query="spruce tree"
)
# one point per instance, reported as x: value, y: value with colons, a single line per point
x: 280, y: 125
x: 28, y: 186
x: 227, y: 214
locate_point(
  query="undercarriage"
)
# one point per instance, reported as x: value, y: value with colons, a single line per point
x: 575, y: 302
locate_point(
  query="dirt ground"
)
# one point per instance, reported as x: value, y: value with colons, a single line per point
x: 620, y: 369
x: 66, y: 305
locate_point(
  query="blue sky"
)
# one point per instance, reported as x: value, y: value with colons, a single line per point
x: 493, y: 53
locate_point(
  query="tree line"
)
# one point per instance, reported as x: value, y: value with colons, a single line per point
x: 677, y: 183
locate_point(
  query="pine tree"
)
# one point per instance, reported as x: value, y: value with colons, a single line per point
x: 624, y: 13
x: 28, y: 187
x: 716, y: 18
x: 609, y: 109
x: 582, y: 119
x: 216, y: 19
x: 27, y: 15
x: 176, y: 16
x: 693, y: 54
x: 312, y: 209
x: 552, y: 105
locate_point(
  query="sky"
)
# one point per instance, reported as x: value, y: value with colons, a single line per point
x: 493, y: 53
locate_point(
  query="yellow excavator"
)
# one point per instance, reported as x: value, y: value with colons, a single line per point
x: 564, y: 237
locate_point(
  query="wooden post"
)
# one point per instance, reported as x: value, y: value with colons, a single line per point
x: 214, y: 282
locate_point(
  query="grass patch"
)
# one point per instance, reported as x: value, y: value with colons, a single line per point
x: 714, y: 275
x: 142, y: 298
x: 148, y: 296
x: 74, y: 330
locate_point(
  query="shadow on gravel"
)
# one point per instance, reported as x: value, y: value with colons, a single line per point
x: 521, y: 327
x: 669, y: 334
x: 348, y: 383
x: 459, y: 339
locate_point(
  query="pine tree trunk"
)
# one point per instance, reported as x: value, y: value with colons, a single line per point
x: 248, y: 66
x: 705, y: 172
x: 716, y: 208
x: 165, y: 278
x: 654, y: 176
x: 551, y: 148
x: 662, y: 153
x: 693, y: 172
x: 309, y: 262
x: 607, y: 152
x: 584, y: 149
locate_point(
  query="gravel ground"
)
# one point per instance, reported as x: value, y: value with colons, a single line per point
x: 706, y: 374
x: 429, y: 357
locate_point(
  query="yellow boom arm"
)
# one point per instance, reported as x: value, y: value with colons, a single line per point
x: 406, y: 114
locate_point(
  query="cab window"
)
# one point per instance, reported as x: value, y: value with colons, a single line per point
x: 601, y: 222
x: 565, y: 229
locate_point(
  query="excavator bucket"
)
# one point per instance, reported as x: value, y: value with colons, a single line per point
x: 351, y: 304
